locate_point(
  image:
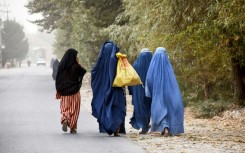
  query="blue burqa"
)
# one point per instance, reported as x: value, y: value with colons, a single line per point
x: 167, y: 107
x: 142, y: 104
x: 108, y: 103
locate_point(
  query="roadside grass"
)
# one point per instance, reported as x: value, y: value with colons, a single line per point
x: 210, y: 108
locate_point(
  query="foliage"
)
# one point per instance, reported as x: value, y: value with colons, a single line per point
x: 61, y: 44
x: 13, y: 37
x: 218, y: 36
x: 210, y: 108
x: 56, y: 14
x: 86, y: 38
x: 78, y: 24
x: 231, y: 23
x: 202, y: 37
x: 103, y: 12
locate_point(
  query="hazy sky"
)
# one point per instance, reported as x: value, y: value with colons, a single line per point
x: 19, y: 12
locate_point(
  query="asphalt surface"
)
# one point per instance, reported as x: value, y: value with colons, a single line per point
x: 30, y: 119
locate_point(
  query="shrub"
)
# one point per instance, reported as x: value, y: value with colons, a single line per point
x: 210, y: 108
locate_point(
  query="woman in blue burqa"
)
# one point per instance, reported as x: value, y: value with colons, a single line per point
x: 142, y: 104
x: 108, y: 103
x: 167, y: 111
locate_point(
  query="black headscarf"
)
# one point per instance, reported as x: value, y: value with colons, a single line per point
x: 70, y: 74
x: 68, y: 60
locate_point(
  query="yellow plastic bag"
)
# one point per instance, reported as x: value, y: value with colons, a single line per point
x: 126, y: 75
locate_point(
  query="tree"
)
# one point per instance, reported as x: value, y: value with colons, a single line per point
x: 104, y: 12
x: 201, y: 38
x: 78, y: 23
x: 231, y: 23
x: 56, y: 14
x: 16, y: 44
x: 219, y: 28
x: 204, y: 38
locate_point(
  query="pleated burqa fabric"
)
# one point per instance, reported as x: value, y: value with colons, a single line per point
x: 108, y: 103
x: 141, y: 103
x: 161, y: 85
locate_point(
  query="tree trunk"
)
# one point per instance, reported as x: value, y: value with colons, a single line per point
x: 239, y: 91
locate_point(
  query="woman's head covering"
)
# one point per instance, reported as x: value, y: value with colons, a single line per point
x: 105, y: 67
x: 161, y: 84
x: 157, y: 68
x: 70, y: 74
x: 145, y: 50
x: 108, y: 103
x: 142, y: 63
x: 68, y: 60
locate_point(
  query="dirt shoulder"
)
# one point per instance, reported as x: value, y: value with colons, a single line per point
x: 224, y: 134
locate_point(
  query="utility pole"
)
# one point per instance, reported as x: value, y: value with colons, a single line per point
x: 3, y: 9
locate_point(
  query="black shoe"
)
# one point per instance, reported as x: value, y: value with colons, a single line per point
x: 64, y: 126
x: 73, y: 131
x: 142, y: 132
x: 145, y: 131
x: 116, y: 133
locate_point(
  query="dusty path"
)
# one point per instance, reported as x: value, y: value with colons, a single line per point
x: 224, y: 134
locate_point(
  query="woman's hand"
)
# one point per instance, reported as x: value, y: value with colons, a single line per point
x: 57, y: 95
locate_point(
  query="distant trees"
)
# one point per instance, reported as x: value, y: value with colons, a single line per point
x: 14, y: 40
x: 78, y: 23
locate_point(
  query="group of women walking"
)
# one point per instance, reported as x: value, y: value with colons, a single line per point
x: 157, y: 103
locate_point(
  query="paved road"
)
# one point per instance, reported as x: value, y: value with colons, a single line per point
x: 30, y: 119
